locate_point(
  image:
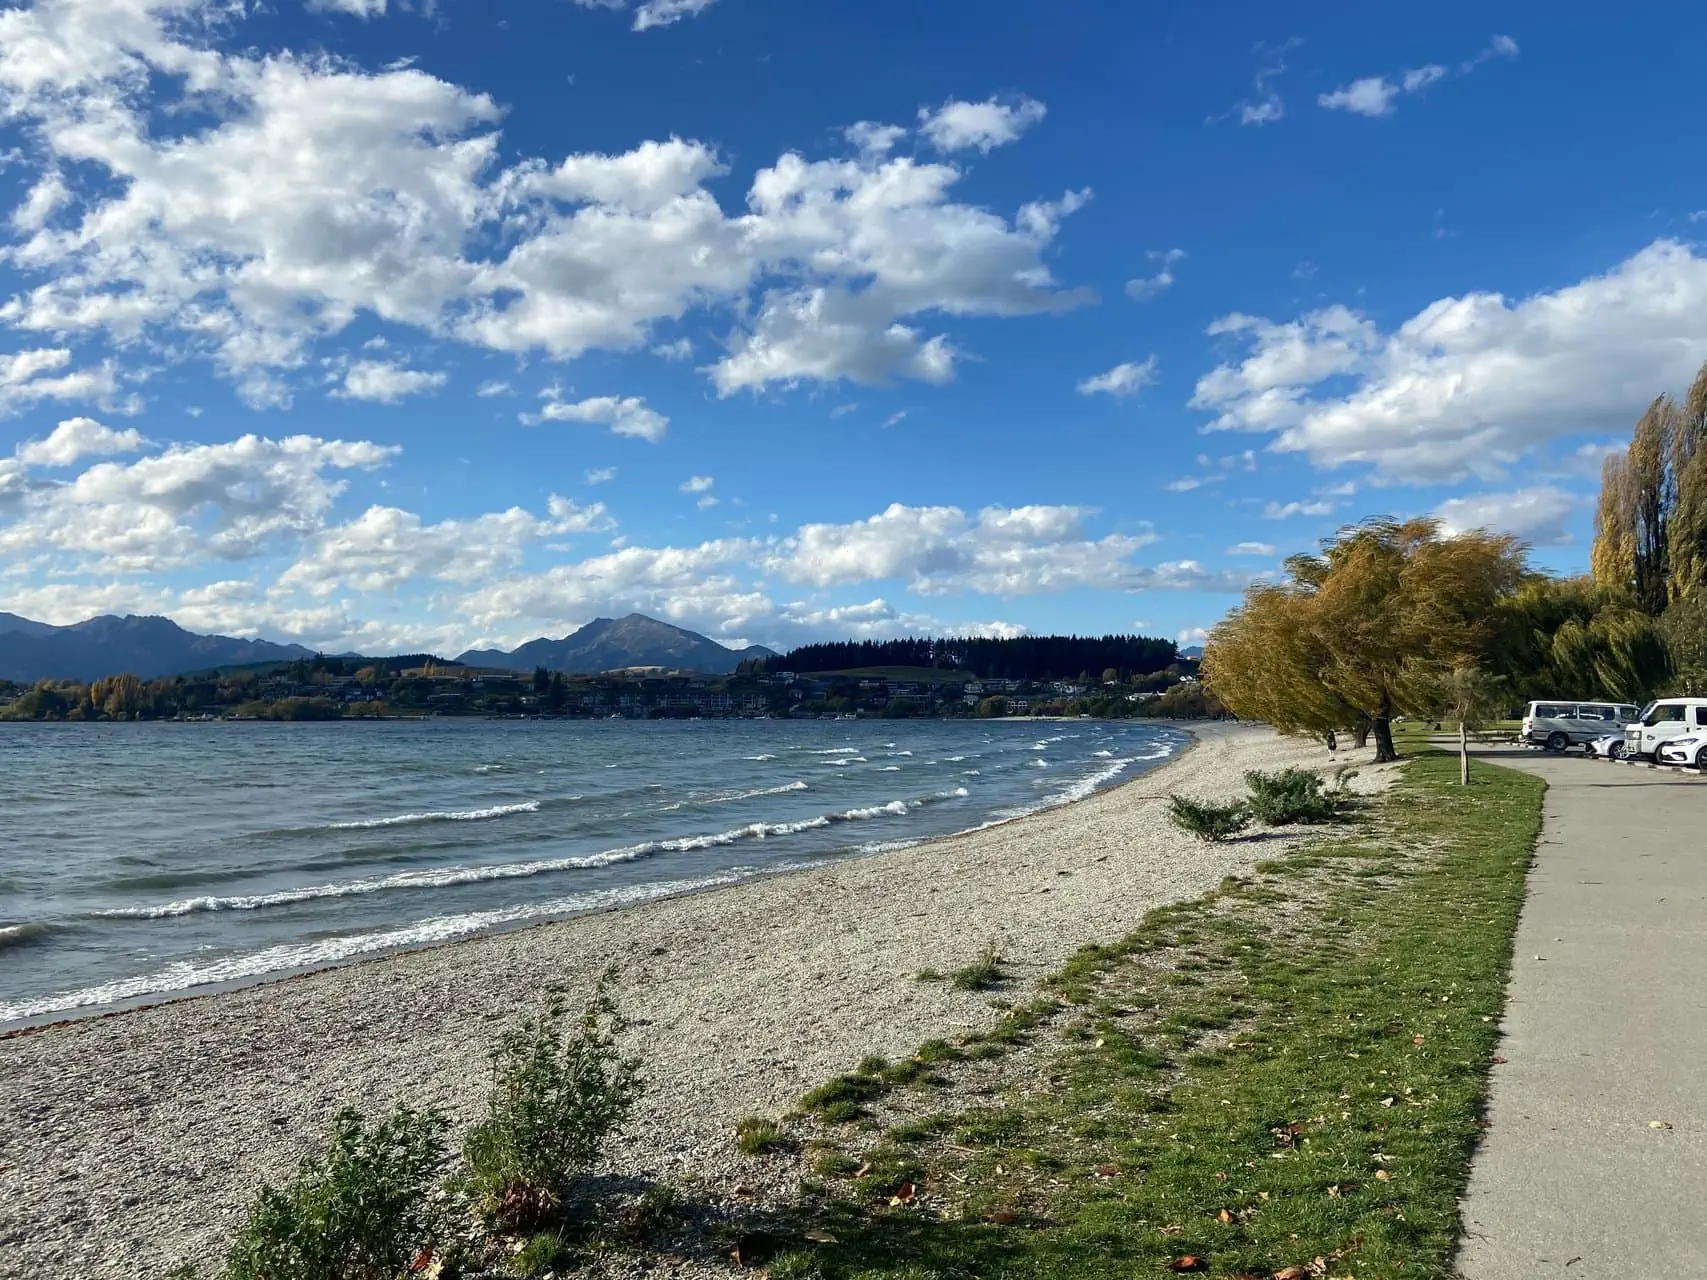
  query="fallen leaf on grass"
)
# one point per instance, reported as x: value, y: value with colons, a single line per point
x: 1381, y: 1175
x: 1170, y: 1231
x: 866, y: 1168
x: 1003, y: 1217
x: 1499, y: 1061
x: 1292, y: 1273
x: 821, y: 1237
x: 906, y: 1193
x: 1190, y: 1262
x: 1108, y: 1171
x: 1225, y: 1217
x: 1417, y: 1041
x: 1387, y: 1102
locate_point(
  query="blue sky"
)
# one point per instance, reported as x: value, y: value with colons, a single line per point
x: 392, y: 324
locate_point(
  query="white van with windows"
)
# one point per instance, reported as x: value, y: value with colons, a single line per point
x: 1658, y: 731
x: 1560, y: 725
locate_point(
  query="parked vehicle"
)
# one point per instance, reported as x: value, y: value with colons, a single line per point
x: 1687, y: 750
x: 1664, y: 724
x: 1559, y: 725
x: 1610, y: 747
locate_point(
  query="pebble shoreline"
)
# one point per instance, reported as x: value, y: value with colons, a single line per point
x: 131, y: 1142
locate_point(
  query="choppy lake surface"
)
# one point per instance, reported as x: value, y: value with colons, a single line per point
x: 139, y: 860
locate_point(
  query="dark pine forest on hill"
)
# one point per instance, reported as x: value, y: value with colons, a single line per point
x: 989, y: 658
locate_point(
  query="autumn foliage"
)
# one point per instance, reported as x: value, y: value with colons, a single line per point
x: 1369, y: 629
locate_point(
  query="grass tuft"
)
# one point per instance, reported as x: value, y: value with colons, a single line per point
x: 982, y: 974
x: 757, y: 1136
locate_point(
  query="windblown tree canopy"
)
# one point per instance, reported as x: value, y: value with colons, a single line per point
x: 1369, y: 629
x: 1650, y: 537
x: 1650, y: 545
x: 1572, y: 638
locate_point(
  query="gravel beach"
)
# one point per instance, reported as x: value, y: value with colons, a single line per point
x: 131, y: 1142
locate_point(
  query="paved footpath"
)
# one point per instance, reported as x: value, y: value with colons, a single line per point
x: 1595, y: 1159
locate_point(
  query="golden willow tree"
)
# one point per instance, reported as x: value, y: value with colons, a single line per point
x: 1650, y: 535
x: 1650, y: 543
x: 1371, y: 628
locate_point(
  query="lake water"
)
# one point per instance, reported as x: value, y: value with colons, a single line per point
x: 142, y: 859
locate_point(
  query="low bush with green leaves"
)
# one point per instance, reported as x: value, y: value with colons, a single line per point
x: 363, y: 1210
x: 1206, y: 821
x: 558, y: 1096
x: 1290, y: 796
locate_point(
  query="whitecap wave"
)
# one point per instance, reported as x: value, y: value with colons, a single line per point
x: 186, y: 974
x: 449, y: 877
x: 462, y: 815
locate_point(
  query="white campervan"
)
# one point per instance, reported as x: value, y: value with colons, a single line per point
x: 1558, y: 725
x: 1662, y: 721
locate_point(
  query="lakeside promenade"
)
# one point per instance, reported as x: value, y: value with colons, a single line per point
x: 1595, y: 1158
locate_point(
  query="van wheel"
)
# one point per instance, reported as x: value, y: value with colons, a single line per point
x: 1557, y: 742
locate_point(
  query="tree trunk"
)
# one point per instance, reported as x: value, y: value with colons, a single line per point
x: 1463, y: 755
x: 1362, y: 732
x: 1381, y: 725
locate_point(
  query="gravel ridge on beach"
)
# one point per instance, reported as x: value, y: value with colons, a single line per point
x: 131, y: 1142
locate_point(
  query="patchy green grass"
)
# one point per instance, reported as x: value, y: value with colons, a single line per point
x: 982, y: 974
x: 1310, y: 1098
x: 757, y: 1136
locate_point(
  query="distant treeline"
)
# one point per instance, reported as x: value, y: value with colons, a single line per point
x: 1022, y: 658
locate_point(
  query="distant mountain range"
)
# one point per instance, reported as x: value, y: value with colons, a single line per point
x: 1193, y: 651
x: 609, y: 644
x: 150, y: 647
x: 105, y: 646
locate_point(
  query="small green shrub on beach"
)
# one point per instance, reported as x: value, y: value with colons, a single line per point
x: 1211, y: 822
x: 543, y: 1255
x: 557, y: 1098
x: 756, y: 1136
x: 982, y: 974
x: 1290, y: 796
x: 361, y: 1211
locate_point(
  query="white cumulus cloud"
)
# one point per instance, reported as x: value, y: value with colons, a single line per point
x: 386, y: 383
x: 1126, y: 379
x: 78, y: 438
x: 962, y: 126
x: 1469, y: 384
x: 1539, y: 515
x: 1146, y: 287
x: 624, y: 415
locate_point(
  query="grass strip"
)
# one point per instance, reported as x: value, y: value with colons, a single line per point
x: 1286, y: 1074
